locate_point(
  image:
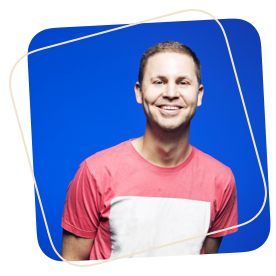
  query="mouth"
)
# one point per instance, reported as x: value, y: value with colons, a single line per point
x: 169, y: 107
x: 169, y: 111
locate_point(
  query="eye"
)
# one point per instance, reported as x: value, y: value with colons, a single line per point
x: 159, y: 82
x: 183, y: 83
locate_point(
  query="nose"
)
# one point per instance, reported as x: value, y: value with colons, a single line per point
x: 171, y: 91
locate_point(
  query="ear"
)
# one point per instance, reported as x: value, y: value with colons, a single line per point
x: 200, y: 95
x: 138, y: 92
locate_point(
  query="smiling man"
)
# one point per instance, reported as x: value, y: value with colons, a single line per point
x: 170, y: 92
x: 155, y: 189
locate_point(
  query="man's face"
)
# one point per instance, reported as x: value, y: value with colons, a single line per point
x: 170, y: 92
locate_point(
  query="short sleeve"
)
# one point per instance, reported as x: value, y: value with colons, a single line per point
x: 81, y: 213
x: 227, y: 214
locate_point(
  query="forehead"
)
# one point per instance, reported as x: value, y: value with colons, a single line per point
x: 170, y: 63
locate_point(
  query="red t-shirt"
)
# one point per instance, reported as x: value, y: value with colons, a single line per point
x: 128, y: 204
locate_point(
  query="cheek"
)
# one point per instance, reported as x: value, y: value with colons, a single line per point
x: 190, y: 98
x: 150, y: 97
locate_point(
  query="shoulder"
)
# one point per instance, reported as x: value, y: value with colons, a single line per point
x: 108, y: 157
x: 214, y: 168
x: 209, y: 161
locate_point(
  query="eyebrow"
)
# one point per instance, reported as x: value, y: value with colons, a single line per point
x: 178, y: 79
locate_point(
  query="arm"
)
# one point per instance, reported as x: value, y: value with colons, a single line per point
x: 75, y: 248
x: 211, y: 245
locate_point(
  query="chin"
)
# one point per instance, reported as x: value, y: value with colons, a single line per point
x: 169, y: 127
x: 174, y: 127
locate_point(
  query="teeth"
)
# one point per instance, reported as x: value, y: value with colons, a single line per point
x: 170, y: 107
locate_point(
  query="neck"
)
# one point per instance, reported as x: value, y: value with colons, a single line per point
x: 164, y: 148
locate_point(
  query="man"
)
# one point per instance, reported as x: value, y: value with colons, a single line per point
x: 156, y: 189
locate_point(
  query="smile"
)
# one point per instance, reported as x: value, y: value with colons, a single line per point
x: 169, y: 111
x: 166, y: 107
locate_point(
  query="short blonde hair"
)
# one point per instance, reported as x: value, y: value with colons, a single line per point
x: 168, y: 46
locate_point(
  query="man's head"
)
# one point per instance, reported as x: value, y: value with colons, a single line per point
x: 169, y: 85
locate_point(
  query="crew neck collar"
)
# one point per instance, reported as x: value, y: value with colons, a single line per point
x: 156, y: 168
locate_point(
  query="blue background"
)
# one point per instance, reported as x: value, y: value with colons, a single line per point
x: 82, y: 101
